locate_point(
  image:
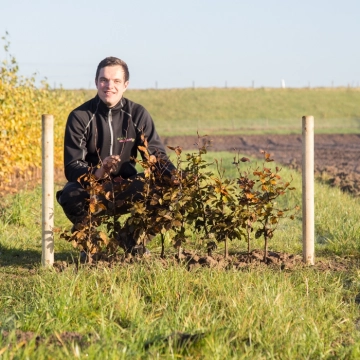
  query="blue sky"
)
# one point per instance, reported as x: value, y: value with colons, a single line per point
x: 176, y: 44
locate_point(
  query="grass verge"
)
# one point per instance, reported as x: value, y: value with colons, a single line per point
x: 149, y: 309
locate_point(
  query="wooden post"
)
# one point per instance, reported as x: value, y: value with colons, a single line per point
x: 47, y: 190
x: 308, y: 223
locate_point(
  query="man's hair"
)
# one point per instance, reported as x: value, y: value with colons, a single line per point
x: 113, y: 61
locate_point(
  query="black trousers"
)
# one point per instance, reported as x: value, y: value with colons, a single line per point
x: 74, y: 199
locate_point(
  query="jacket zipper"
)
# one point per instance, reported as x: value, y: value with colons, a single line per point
x: 111, y: 131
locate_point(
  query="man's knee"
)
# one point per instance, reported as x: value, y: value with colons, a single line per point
x: 72, y: 192
x: 73, y: 199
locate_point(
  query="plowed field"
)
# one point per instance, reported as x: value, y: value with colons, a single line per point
x: 336, y: 156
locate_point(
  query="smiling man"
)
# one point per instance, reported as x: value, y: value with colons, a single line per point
x: 102, y: 137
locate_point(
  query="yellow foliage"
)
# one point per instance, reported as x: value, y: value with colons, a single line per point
x: 21, y: 108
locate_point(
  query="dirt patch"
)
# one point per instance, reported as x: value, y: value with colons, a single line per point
x: 242, y: 260
x: 336, y: 155
x: 193, y: 260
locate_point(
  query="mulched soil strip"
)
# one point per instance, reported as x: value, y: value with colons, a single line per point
x: 237, y: 261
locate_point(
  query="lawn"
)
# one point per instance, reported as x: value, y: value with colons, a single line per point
x: 155, y: 308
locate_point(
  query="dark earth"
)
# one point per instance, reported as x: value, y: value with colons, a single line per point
x: 336, y: 155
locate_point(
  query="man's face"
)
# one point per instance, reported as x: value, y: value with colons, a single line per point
x: 111, y: 84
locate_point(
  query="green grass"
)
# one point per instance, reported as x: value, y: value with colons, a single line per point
x: 248, y: 111
x: 261, y: 313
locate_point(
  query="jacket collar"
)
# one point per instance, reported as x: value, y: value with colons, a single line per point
x: 103, y: 107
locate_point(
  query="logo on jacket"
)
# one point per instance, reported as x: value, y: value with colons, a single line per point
x: 124, y: 140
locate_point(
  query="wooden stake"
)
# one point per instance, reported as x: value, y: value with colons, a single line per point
x: 308, y: 222
x: 47, y: 190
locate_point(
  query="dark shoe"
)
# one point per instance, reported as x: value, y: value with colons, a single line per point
x: 129, y: 245
x: 139, y: 250
x: 125, y: 241
x: 83, y: 257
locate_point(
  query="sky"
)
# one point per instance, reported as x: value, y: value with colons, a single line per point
x: 188, y: 43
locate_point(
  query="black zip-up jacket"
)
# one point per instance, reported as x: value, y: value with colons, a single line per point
x: 93, y: 130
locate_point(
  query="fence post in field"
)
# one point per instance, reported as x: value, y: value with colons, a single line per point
x: 308, y: 223
x: 47, y: 190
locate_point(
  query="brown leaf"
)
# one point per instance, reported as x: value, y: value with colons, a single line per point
x: 94, y: 250
x: 103, y: 237
x: 177, y: 223
x: 93, y: 200
x: 144, y: 150
x: 79, y: 235
x: 155, y: 200
x: 95, y: 207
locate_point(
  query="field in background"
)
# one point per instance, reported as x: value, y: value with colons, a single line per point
x: 175, y: 112
x: 250, y: 111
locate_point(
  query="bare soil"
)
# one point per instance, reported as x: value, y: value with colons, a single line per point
x: 336, y: 155
x: 193, y: 260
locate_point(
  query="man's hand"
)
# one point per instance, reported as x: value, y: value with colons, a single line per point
x: 109, y: 165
